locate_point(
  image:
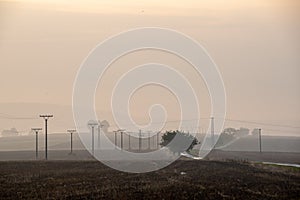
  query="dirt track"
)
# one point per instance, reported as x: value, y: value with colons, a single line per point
x: 93, y: 180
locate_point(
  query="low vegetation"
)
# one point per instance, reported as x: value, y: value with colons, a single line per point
x: 184, y: 179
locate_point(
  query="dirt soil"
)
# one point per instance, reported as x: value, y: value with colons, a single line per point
x: 184, y: 179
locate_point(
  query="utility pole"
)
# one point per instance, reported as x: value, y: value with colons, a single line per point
x: 115, y: 139
x: 129, y: 145
x: 46, y: 117
x: 36, y: 130
x: 149, y: 134
x: 92, y: 125
x: 99, y: 132
x: 157, y: 138
x: 259, y: 135
x: 212, y: 132
x: 121, y: 131
x: 121, y: 140
x: 71, y: 131
x: 140, y: 140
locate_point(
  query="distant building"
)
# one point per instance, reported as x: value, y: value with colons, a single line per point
x: 11, y: 132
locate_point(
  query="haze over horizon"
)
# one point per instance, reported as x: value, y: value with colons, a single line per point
x: 255, y: 44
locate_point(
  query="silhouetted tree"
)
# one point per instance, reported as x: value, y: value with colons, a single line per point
x: 226, y: 136
x: 179, y: 145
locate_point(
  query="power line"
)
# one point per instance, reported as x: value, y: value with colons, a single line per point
x: 261, y: 123
x: 282, y: 131
x: 164, y: 122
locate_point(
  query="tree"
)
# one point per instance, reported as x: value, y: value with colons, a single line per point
x: 255, y: 132
x: 226, y: 136
x: 242, y: 132
x: 185, y: 141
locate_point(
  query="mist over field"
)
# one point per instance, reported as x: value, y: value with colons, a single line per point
x: 139, y: 99
x: 62, y: 142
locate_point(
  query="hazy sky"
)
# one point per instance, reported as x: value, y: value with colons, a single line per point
x: 255, y: 44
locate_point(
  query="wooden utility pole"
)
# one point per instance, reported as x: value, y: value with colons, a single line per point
x: 116, y: 139
x: 92, y: 125
x: 259, y: 136
x: 149, y: 134
x: 129, y: 138
x: 36, y: 130
x: 140, y: 140
x: 121, y: 139
x: 121, y: 131
x: 99, y: 133
x: 157, y: 138
x: 71, y: 139
x: 212, y: 132
x: 46, y: 117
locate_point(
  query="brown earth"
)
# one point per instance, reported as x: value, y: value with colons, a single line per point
x: 93, y: 180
